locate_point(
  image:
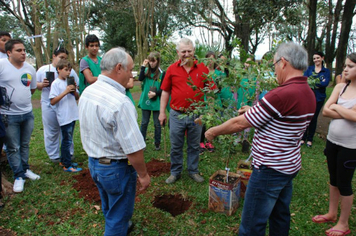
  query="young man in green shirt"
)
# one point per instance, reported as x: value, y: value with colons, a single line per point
x: 90, y: 64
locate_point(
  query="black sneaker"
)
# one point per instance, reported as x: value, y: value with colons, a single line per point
x: 157, y: 146
x: 131, y: 227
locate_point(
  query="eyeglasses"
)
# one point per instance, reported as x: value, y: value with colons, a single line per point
x: 274, y: 64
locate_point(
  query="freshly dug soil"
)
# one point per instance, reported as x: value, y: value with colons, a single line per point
x: 86, y: 187
x: 222, y: 178
x: 174, y: 204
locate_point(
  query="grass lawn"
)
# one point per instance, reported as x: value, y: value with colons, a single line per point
x: 51, y: 206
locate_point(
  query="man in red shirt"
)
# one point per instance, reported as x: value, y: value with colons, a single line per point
x: 280, y: 119
x: 182, y: 95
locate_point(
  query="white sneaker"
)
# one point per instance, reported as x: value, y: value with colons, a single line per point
x: 29, y: 174
x: 18, y: 185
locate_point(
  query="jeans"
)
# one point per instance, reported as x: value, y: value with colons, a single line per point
x: 268, y: 197
x: 18, y: 135
x: 178, y: 127
x: 146, y: 114
x: 52, y: 132
x: 310, y: 131
x: 67, y: 140
x: 116, y: 183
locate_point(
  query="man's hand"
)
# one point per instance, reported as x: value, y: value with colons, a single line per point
x: 209, y: 134
x: 162, y: 118
x: 198, y: 121
x: 144, y: 181
x: 243, y: 109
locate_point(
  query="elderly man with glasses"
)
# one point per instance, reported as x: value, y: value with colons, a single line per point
x: 280, y: 120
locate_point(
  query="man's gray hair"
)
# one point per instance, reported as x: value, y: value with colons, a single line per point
x: 113, y: 57
x: 184, y: 41
x: 295, y: 54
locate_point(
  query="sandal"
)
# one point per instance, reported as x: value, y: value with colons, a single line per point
x: 321, y: 219
x: 309, y: 144
x: 340, y: 232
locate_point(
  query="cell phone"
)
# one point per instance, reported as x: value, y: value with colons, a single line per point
x: 153, y: 89
x: 70, y: 80
x: 50, y: 77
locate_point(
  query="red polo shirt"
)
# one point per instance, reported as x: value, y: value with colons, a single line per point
x: 176, y: 82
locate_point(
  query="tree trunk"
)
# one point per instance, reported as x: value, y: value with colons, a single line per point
x: 332, y: 27
x: 346, y: 24
x: 312, y: 6
x: 143, y: 13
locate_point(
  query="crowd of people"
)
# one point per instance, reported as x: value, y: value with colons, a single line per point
x: 283, y: 119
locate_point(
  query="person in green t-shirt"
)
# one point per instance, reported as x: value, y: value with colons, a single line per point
x: 129, y: 86
x: 151, y: 76
x: 245, y: 95
x: 90, y: 64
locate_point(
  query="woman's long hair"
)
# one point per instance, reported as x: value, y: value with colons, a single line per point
x: 154, y: 56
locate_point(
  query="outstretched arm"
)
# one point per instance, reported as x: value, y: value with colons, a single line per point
x: 231, y: 126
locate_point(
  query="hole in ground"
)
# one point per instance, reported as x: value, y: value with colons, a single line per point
x: 174, y: 204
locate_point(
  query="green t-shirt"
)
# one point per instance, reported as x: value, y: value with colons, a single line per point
x: 95, y: 70
x: 225, y: 93
x: 245, y: 93
x: 150, y: 104
x: 128, y: 93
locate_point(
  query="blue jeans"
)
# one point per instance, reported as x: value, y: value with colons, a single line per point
x: 146, y: 114
x: 116, y: 183
x: 67, y: 140
x: 18, y: 135
x: 268, y: 197
x: 177, y: 128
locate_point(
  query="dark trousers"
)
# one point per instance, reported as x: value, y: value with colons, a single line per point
x: 2, y: 140
x: 310, y: 132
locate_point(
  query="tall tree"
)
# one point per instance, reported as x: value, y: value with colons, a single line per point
x: 310, y: 44
x: 332, y: 27
x: 245, y: 20
x: 348, y: 15
x: 144, y: 17
x: 38, y: 17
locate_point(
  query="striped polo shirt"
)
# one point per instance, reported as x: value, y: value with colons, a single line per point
x: 280, y: 119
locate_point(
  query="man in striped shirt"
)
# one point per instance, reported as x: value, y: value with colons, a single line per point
x: 280, y: 120
x: 111, y: 137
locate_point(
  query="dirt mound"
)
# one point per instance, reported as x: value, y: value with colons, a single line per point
x: 157, y: 167
x: 86, y: 187
x: 174, y: 204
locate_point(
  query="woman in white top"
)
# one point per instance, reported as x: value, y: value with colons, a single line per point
x: 341, y: 149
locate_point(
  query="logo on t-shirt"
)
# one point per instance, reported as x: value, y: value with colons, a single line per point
x: 26, y: 79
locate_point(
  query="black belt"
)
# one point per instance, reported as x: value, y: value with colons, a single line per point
x: 180, y: 112
x: 104, y: 160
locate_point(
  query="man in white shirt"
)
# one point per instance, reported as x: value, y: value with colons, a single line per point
x: 113, y: 141
x: 18, y: 83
